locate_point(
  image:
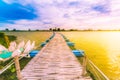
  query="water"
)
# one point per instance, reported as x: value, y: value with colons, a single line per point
x: 103, y: 48
x: 38, y: 37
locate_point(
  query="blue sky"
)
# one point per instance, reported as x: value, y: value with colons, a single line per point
x: 45, y: 14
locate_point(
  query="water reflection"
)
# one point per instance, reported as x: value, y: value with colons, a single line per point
x: 103, y: 48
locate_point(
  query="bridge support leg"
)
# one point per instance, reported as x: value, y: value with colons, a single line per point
x: 84, y: 65
x: 17, y: 66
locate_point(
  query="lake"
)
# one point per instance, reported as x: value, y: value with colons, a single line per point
x: 38, y: 37
x: 103, y: 48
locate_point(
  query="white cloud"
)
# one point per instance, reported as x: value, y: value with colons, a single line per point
x: 8, y: 1
x: 115, y: 8
x: 81, y: 15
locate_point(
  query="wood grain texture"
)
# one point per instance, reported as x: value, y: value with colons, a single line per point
x: 55, y: 61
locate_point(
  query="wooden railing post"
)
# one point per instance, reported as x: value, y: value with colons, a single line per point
x: 84, y: 65
x: 17, y: 65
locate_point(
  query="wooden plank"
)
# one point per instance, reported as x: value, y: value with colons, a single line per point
x: 55, y: 61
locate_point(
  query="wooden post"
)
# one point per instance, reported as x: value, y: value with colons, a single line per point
x: 17, y: 65
x: 84, y: 65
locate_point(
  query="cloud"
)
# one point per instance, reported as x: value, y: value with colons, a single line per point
x: 101, y: 9
x: 8, y: 1
x: 74, y: 3
x: 26, y: 24
x: 79, y: 14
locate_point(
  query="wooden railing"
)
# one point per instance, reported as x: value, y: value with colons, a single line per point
x: 94, y: 71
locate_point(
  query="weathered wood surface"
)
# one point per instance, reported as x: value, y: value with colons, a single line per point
x: 55, y: 61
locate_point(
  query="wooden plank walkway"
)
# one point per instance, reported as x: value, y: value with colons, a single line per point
x: 55, y: 61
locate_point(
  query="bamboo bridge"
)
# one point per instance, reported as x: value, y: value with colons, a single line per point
x: 55, y: 61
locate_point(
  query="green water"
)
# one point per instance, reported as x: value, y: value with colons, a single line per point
x: 38, y: 37
x: 103, y: 48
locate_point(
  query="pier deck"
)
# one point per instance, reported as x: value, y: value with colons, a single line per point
x: 55, y: 61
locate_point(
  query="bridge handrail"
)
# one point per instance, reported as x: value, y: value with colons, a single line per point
x: 8, y: 65
x: 94, y: 70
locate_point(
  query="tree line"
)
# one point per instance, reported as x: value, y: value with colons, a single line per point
x: 60, y: 29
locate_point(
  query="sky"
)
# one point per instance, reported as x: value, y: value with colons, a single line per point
x: 67, y: 14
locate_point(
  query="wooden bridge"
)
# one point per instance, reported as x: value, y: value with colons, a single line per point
x: 55, y: 61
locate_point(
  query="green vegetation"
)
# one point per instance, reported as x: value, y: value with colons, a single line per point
x: 10, y: 74
x: 57, y: 29
x: 36, y: 36
x: 6, y: 39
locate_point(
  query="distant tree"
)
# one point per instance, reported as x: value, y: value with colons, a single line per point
x: 14, y: 29
x: 37, y: 29
x: 90, y: 29
x: 50, y: 29
x: 71, y: 29
x: 29, y: 29
x: 6, y: 29
x: 58, y: 29
x: 62, y: 29
x: 54, y: 29
x: 99, y: 30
